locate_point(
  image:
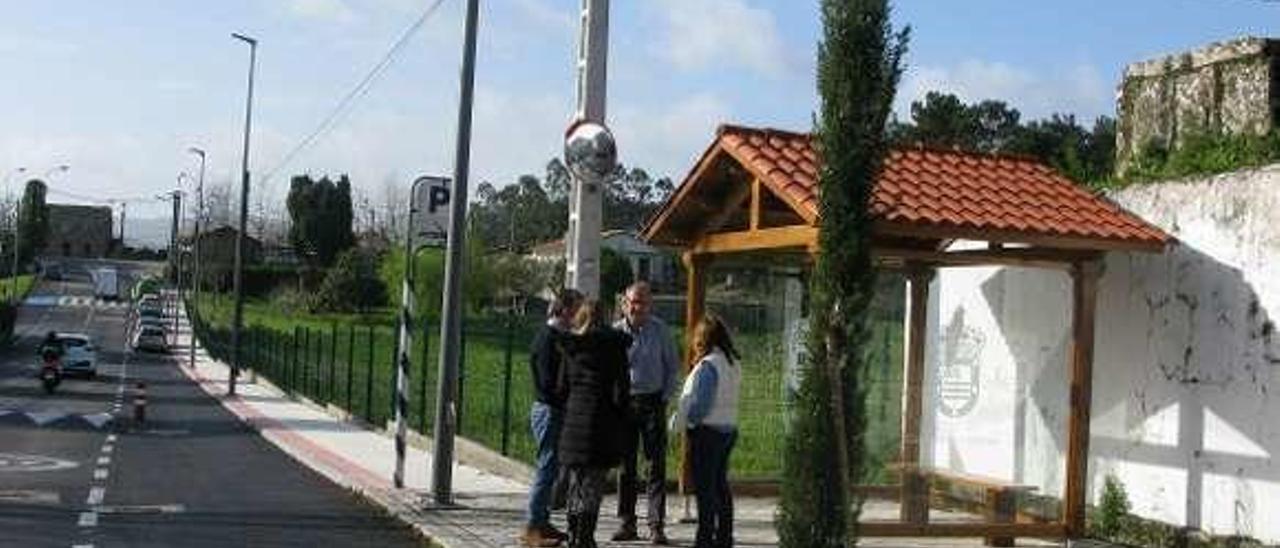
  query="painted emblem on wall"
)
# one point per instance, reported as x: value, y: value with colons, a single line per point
x: 957, y: 384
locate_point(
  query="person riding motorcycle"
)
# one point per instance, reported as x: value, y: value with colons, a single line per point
x: 51, y: 350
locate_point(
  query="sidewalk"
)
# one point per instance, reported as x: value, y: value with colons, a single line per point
x: 489, y: 510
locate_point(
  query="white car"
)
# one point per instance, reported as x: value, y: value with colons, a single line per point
x: 151, y: 338
x: 80, y: 354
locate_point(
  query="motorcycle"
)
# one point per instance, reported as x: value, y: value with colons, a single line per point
x: 50, y: 374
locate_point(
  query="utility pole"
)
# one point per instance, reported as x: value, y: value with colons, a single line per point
x: 590, y: 152
x: 451, y: 310
x: 237, y: 279
x: 195, y: 249
x: 175, y: 255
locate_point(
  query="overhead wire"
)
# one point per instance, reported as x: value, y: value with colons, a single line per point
x: 359, y: 91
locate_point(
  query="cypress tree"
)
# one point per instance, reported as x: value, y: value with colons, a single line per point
x: 859, y: 65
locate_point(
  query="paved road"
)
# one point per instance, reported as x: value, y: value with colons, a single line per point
x: 75, y: 471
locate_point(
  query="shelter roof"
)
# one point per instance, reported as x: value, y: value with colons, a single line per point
x: 926, y: 193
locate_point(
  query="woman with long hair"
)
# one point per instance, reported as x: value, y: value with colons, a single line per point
x: 595, y: 388
x: 708, y: 411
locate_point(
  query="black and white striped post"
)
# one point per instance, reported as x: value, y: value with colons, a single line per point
x: 426, y: 201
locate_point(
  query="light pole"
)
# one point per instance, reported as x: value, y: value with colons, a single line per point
x: 238, y: 316
x: 451, y: 308
x: 12, y: 288
x: 195, y: 250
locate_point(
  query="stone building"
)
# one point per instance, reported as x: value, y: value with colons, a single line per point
x: 78, y: 231
x: 1227, y: 87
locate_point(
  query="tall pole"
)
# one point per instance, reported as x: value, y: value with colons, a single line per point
x: 195, y: 250
x: 238, y: 317
x: 175, y: 255
x: 451, y: 310
x: 406, y: 338
x: 582, y: 263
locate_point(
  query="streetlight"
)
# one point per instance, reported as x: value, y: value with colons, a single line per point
x: 238, y: 317
x: 195, y: 248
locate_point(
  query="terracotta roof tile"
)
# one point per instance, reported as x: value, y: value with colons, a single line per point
x: 945, y: 188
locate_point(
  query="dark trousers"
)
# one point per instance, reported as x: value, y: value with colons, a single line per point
x: 710, y: 450
x: 586, y: 489
x: 648, y: 426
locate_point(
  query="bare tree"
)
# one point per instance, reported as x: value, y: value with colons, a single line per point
x: 220, y: 202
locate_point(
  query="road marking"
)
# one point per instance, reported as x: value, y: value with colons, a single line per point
x: 97, y: 419
x: 88, y: 519
x: 111, y: 438
x: 96, y: 494
x: 81, y: 546
x: 100, y: 473
x: 17, y: 462
x: 103, y: 461
x: 106, y: 449
x: 43, y: 417
x: 143, y: 509
x: 30, y: 497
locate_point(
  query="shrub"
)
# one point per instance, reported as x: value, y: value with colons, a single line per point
x: 1112, y: 509
x: 352, y: 284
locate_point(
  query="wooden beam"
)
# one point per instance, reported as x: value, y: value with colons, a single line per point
x: 737, y: 196
x: 799, y: 236
x: 1084, y: 281
x: 952, y: 529
x: 695, y: 266
x: 756, y: 205
x: 1029, y: 236
x: 1005, y: 256
x: 700, y: 171
x: 915, y: 485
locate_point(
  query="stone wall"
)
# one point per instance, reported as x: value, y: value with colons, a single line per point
x: 78, y: 231
x: 1186, y: 360
x: 1231, y: 87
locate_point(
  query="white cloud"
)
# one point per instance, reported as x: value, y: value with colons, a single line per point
x: 327, y: 10
x: 667, y: 141
x: 1079, y: 89
x: 703, y: 33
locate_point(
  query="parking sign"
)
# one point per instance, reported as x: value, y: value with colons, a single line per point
x: 431, y: 211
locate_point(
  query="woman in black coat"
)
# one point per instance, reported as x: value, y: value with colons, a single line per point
x: 596, y: 389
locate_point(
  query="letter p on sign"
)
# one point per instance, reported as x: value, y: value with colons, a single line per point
x: 431, y: 211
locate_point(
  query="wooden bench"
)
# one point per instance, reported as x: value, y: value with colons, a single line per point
x: 1000, y: 498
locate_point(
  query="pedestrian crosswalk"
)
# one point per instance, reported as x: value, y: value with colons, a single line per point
x: 73, y: 301
x: 55, y: 419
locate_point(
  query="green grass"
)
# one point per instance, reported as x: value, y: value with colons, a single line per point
x: 313, y: 355
x: 19, y: 286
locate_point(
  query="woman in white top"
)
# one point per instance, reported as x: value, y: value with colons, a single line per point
x: 708, y: 410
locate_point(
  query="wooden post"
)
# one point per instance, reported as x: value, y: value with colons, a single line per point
x: 915, y: 484
x: 1084, y: 281
x: 755, y: 212
x: 695, y: 301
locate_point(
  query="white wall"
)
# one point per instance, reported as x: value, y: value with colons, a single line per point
x: 1185, y: 357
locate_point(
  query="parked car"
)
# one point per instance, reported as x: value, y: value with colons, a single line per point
x: 150, y: 338
x: 81, y: 354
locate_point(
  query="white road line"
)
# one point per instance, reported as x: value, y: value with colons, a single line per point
x: 103, y: 461
x: 88, y: 519
x: 100, y: 473
x: 81, y: 546
x: 111, y: 438
x: 106, y: 449
x: 96, y: 494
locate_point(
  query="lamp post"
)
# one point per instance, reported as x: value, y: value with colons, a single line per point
x: 12, y: 288
x: 195, y: 248
x: 237, y: 283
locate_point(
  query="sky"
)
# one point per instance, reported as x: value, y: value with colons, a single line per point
x: 119, y: 90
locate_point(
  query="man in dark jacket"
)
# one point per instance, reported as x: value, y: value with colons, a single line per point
x: 546, y: 418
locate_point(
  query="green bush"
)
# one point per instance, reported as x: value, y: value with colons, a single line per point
x: 1198, y: 154
x: 1112, y: 508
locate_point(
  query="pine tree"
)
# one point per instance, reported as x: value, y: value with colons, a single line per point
x: 859, y: 65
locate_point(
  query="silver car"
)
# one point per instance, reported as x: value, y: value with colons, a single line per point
x: 150, y: 338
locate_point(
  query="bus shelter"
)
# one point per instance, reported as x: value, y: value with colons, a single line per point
x: 752, y: 196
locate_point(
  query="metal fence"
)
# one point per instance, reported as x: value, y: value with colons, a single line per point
x: 352, y: 366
